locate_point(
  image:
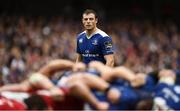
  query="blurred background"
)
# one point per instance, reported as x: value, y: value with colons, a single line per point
x: 145, y: 33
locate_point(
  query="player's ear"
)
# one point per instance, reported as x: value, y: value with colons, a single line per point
x: 82, y: 20
x: 96, y: 20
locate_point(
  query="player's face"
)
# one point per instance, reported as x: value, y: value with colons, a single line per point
x: 167, y: 73
x: 89, y: 21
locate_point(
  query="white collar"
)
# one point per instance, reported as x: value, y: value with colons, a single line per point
x: 95, y: 32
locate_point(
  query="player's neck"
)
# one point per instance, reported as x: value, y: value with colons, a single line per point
x: 89, y: 33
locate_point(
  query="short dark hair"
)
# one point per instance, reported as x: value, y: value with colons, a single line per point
x: 88, y: 11
x: 36, y: 102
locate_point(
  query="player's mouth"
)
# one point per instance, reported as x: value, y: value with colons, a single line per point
x: 88, y: 25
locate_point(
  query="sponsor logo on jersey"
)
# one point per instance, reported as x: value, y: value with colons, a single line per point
x: 87, y: 51
x: 90, y: 55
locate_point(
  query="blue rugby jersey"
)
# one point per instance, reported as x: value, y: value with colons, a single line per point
x: 149, y: 84
x: 95, y: 47
x: 170, y: 94
x: 128, y: 99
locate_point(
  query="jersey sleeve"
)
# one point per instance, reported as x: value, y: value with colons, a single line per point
x: 77, y: 46
x: 149, y: 84
x: 10, y: 104
x: 107, y: 45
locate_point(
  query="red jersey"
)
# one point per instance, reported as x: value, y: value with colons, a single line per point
x: 68, y: 103
x: 10, y: 104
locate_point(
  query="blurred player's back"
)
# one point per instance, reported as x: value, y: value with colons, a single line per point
x: 169, y: 95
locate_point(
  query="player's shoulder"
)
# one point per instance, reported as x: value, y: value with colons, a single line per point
x: 80, y: 35
x: 162, y: 85
x: 102, y: 33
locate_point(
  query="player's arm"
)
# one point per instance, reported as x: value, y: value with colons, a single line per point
x: 18, y: 87
x: 109, y: 73
x: 100, y: 67
x: 36, y: 80
x: 79, y: 58
x: 123, y: 72
x: 145, y: 81
x: 139, y: 80
x: 56, y: 65
x: 107, y: 50
x: 78, y: 51
x: 109, y: 60
x: 40, y: 81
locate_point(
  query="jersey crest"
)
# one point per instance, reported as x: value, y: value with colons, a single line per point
x: 81, y: 40
x: 95, y: 42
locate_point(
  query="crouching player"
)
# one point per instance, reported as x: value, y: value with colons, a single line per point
x: 167, y: 92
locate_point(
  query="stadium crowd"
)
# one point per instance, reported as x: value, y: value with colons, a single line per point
x: 28, y: 42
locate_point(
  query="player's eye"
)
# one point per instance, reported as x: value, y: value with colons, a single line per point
x: 85, y: 19
x: 91, y: 19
